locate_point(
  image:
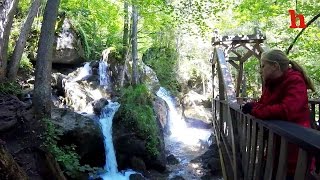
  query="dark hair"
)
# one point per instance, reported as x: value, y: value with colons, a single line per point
x: 279, y: 57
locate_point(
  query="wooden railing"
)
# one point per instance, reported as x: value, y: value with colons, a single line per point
x: 247, y: 145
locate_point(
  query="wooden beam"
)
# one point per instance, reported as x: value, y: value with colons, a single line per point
x: 252, y: 49
x: 246, y: 56
x: 234, y: 58
x: 231, y: 49
x: 238, y: 38
x: 239, y: 79
x: 235, y: 65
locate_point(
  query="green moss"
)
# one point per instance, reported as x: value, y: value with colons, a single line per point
x: 136, y: 109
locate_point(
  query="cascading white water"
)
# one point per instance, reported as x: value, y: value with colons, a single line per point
x: 85, y: 71
x: 104, y: 78
x: 177, y: 124
x: 105, y: 120
x: 183, y: 142
x: 111, y: 166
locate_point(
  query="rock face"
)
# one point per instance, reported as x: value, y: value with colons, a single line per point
x: 161, y: 109
x: 20, y: 144
x: 149, y: 77
x: 12, y: 109
x: 211, y: 160
x: 9, y: 169
x: 194, y: 107
x: 132, y: 149
x: 68, y: 48
x: 83, y: 132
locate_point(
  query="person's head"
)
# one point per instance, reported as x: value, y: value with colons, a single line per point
x: 275, y: 62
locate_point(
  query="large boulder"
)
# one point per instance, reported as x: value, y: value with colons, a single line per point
x: 12, y: 109
x: 210, y: 160
x: 68, y: 48
x: 130, y: 147
x: 83, y: 132
x: 149, y: 77
x: 161, y: 109
x: 194, y: 107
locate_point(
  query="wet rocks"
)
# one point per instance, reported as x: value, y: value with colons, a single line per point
x: 99, y: 105
x: 171, y: 159
x: 82, y: 132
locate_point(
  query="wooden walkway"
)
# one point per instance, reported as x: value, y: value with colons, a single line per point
x: 246, y: 144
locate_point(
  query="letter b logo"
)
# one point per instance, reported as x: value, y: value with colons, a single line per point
x: 294, y: 17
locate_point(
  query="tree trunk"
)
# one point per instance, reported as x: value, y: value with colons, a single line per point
x: 21, y: 42
x: 125, y: 39
x: 42, y: 87
x: 125, y: 42
x: 134, y: 45
x: 7, y: 11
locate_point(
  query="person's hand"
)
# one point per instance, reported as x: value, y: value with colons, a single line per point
x: 247, y: 108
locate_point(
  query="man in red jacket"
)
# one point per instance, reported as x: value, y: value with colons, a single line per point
x: 284, y: 96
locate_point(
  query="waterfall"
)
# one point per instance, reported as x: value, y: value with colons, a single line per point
x: 177, y: 125
x: 106, y: 119
x: 111, y: 166
x: 176, y: 122
x: 85, y: 71
x: 106, y: 125
x: 104, y: 77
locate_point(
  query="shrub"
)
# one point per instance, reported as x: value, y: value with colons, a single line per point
x: 136, y: 107
x: 10, y: 87
x: 66, y: 155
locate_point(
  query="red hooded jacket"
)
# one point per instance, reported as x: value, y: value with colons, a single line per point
x: 285, y: 98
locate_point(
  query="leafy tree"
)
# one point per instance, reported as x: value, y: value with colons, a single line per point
x: 21, y: 42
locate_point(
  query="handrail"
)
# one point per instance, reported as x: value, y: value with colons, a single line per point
x: 291, y: 131
x: 252, y: 134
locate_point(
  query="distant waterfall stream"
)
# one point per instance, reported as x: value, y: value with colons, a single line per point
x: 183, y: 142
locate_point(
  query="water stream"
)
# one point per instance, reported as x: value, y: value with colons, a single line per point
x: 111, y: 166
x: 106, y: 119
x: 183, y: 142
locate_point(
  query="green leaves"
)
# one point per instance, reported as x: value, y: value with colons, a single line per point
x: 66, y: 155
x: 136, y: 107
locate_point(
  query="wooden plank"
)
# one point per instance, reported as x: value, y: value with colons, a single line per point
x: 239, y: 79
x: 302, y: 164
x: 243, y: 138
x: 260, y: 151
x: 243, y: 141
x: 282, y: 164
x: 253, y: 149
x: 247, y: 151
x: 306, y: 138
x: 270, y: 155
x: 226, y: 77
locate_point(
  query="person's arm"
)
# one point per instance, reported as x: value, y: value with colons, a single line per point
x: 294, y: 101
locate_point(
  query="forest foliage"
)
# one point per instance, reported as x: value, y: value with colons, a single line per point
x: 99, y: 23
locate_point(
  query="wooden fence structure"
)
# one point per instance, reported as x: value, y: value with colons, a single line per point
x: 247, y: 145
